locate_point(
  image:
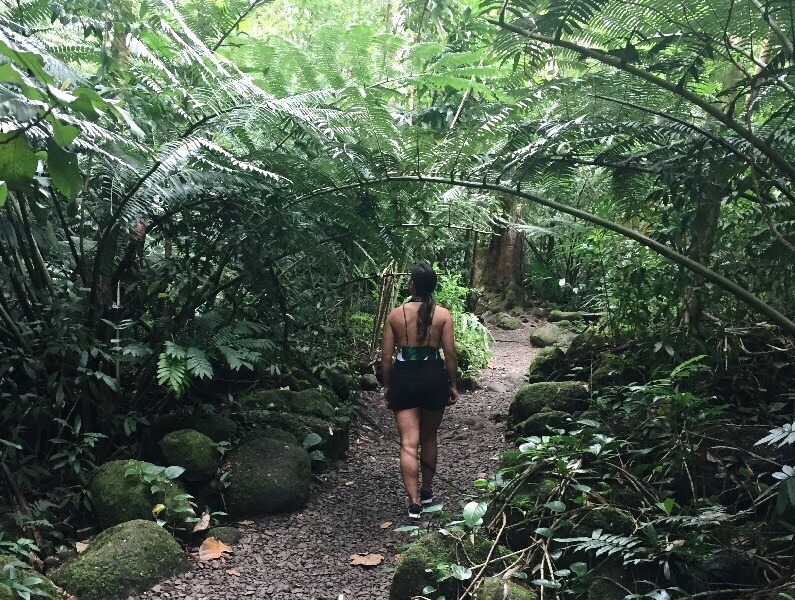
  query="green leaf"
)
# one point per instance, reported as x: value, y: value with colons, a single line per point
x: 546, y: 532
x: 791, y: 490
x: 64, y: 170
x: 556, y: 506
x: 473, y: 513
x: 579, y: 569
x: 64, y: 133
x: 460, y: 572
x: 173, y: 471
x: 312, y: 439
x: 406, y: 528
x: 3, y: 193
x: 18, y: 161
x: 198, y: 364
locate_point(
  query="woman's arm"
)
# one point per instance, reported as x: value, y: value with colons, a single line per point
x: 450, y: 357
x: 387, y: 349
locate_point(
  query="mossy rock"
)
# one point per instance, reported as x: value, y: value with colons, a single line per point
x: 273, y: 433
x: 607, y: 518
x: 369, y: 382
x: 586, y: 347
x: 124, y: 560
x: 118, y: 498
x: 540, y: 423
x: 193, y: 451
x: 334, y: 433
x: 46, y: 585
x: 215, y: 427
x: 339, y: 381
x: 730, y: 567
x: 506, y: 321
x: 546, y: 335
x: 546, y: 363
x: 564, y: 315
x: 5, y: 592
x: 267, y: 476
x: 496, y: 588
x: 534, y: 398
x: 227, y: 535
x: 410, y: 575
x: 312, y: 402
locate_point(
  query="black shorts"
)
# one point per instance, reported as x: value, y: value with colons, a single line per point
x: 419, y: 384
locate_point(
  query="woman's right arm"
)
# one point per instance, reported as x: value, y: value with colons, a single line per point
x: 450, y: 357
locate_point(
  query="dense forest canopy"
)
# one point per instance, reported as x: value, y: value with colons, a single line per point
x: 198, y: 196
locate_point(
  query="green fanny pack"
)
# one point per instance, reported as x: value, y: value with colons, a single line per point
x: 418, y: 353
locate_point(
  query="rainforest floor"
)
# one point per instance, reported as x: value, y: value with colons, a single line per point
x: 305, y: 555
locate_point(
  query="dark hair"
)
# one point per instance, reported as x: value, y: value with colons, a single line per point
x: 424, y: 279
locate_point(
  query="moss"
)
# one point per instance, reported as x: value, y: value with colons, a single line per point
x: 124, y: 560
x: 369, y: 382
x: 270, y: 432
x: 5, y: 592
x: 545, y: 364
x: 312, y: 402
x: 118, y: 498
x: 607, y: 518
x: 215, y: 427
x: 586, y: 347
x: 426, y: 553
x: 540, y: 423
x: 506, y: 321
x: 495, y: 588
x: 46, y: 585
x: 267, y: 476
x: 546, y: 335
x: 334, y: 433
x: 193, y: 451
x: 339, y: 381
x: 265, y: 400
x: 553, y: 395
x: 563, y: 315
x: 227, y: 535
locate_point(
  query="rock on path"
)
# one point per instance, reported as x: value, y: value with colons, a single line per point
x: 305, y: 555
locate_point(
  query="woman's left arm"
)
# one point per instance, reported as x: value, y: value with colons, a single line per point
x: 387, y: 349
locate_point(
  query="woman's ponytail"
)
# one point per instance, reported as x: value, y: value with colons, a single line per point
x: 424, y: 280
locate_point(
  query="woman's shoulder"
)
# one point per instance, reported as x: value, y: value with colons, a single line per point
x: 442, y: 312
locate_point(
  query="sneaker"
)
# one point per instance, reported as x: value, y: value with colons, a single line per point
x: 426, y: 497
x: 415, y: 510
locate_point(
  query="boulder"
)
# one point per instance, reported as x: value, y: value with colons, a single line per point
x: 506, y: 321
x: 339, y: 381
x: 227, y: 535
x: 546, y: 363
x: 270, y: 432
x: 369, y: 382
x: 607, y: 518
x: 118, y: 497
x: 564, y: 315
x: 540, y: 423
x: 215, y: 427
x: 267, y: 476
x: 546, y: 335
x: 586, y: 347
x: 496, y: 588
x: 46, y: 585
x: 193, y: 451
x: 410, y: 575
x: 534, y: 398
x: 301, y: 413
x: 124, y: 560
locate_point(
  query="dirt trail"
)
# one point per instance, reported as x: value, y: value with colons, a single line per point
x: 305, y: 555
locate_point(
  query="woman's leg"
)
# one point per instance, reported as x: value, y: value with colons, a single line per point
x: 408, y: 423
x: 429, y: 426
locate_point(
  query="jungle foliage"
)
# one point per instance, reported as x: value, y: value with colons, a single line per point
x: 197, y: 197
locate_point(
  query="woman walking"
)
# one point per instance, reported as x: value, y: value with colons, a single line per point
x: 420, y: 384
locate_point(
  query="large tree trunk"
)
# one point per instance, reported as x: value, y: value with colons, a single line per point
x: 502, y: 266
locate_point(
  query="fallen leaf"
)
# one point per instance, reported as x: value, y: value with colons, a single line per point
x: 234, y: 572
x: 157, y: 509
x: 348, y: 483
x: 245, y: 523
x: 386, y: 524
x: 398, y: 557
x: 366, y: 560
x: 211, y: 549
x: 202, y: 523
x: 80, y: 547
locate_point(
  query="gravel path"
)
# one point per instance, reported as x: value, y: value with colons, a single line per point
x: 305, y: 555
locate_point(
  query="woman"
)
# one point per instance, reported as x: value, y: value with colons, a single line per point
x: 421, y: 384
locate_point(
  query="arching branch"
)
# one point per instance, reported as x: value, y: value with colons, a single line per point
x: 708, y: 274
